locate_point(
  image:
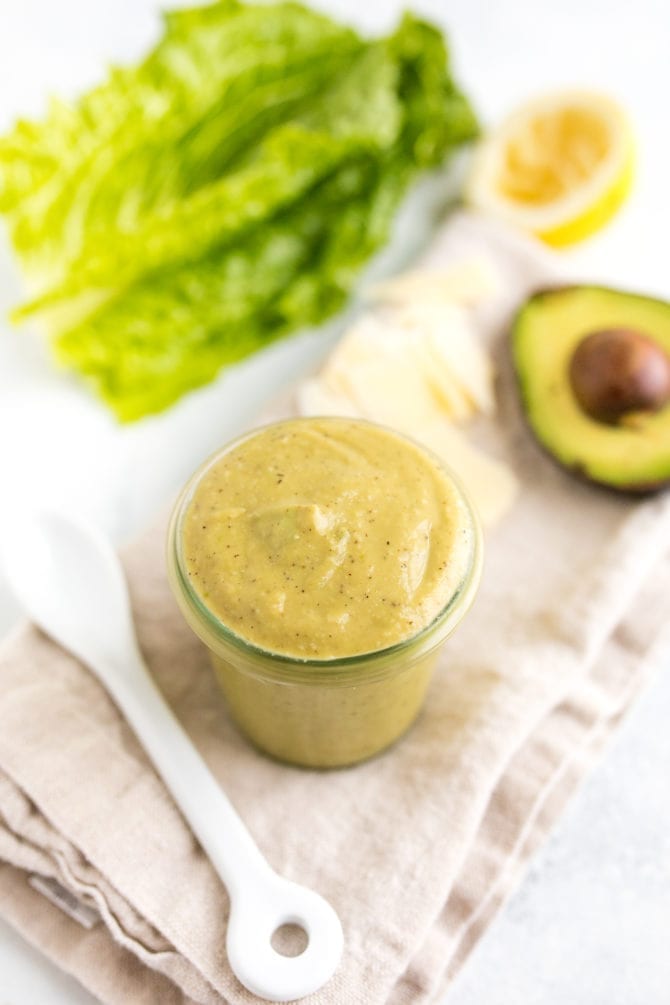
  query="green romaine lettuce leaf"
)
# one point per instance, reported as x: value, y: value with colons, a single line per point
x: 223, y: 193
x: 209, y: 90
x: 290, y: 160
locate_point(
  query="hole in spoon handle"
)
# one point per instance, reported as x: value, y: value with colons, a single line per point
x: 255, y: 916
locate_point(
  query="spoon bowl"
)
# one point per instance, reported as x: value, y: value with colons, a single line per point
x: 70, y: 582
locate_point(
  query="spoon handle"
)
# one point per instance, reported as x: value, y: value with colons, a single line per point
x: 260, y: 900
x: 202, y: 801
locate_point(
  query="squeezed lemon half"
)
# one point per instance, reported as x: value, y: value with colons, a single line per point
x: 560, y: 166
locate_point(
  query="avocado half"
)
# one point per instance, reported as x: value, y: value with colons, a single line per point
x: 631, y: 455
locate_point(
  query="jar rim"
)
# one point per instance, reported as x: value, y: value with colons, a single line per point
x: 463, y: 594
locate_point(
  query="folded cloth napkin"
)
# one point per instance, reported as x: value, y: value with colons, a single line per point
x: 417, y: 848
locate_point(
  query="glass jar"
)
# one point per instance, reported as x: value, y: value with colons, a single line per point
x: 319, y: 713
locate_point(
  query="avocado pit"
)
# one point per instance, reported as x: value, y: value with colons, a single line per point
x: 617, y: 371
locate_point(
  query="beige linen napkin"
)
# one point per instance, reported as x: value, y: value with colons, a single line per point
x: 416, y: 849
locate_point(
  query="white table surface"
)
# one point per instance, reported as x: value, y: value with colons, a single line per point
x: 589, y: 925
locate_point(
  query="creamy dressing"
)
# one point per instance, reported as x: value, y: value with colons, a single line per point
x: 324, y: 538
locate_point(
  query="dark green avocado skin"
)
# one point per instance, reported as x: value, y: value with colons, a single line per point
x: 544, y: 296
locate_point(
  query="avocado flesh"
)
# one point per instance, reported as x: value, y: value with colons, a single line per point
x: 634, y: 456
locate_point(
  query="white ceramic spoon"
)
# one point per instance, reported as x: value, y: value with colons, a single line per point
x: 70, y: 582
